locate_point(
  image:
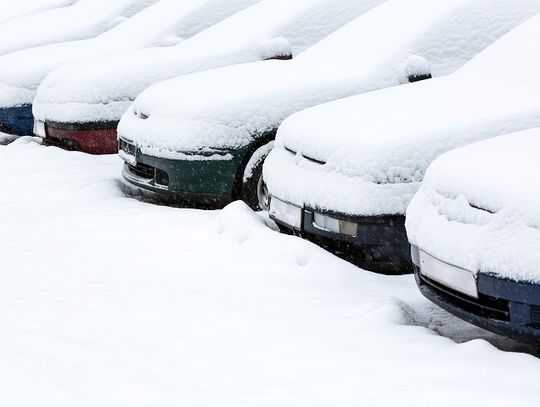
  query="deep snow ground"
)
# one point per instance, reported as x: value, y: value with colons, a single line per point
x: 107, y: 301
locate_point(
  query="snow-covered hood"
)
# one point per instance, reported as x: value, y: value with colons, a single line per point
x: 270, y: 28
x: 226, y: 108
x: 483, y: 199
x: 16, y: 8
x: 391, y: 136
x: 83, y: 19
x: 166, y: 22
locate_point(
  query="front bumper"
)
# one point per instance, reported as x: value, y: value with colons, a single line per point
x: 198, y: 182
x: 17, y: 120
x: 380, y: 243
x: 92, y: 138
x: 503, y: 306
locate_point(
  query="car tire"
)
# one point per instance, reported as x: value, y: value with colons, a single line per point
x: 254, y: 191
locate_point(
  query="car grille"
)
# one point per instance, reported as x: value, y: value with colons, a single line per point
x: 535, y: 317
x: 485, y: 306
x: 142, y: 170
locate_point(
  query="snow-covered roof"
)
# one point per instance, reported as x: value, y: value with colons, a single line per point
x: 103, y: 91
x: 383, y: 142
x: 16, y: 8
x: 83, y: 19
x: 166, y: 22
x: 483, y: 198
x: 228, y: 107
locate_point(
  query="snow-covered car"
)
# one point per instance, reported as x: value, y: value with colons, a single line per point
x: 83, y: 103
x: 474, y: 231
x: 164, y: 23
x: 344, y: 173
x: 83, y: 19
x: 11, y: 9
x: 209, y: 148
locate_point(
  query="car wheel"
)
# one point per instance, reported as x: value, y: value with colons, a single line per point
x: 254, y: 191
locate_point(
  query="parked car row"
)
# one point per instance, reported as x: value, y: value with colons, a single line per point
x: 356, y: 128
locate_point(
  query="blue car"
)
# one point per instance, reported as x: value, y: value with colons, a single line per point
x: 17, y: 120
x: 474, y: 229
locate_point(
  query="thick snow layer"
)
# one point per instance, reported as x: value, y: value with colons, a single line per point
x: 377, y: 147
x: 18, y: 8
x: 103, y: 91
x: 229, y: 107
x: 167, y: 22
x: 83, y: 19
x: 108, y: 301
x: 478, y: 207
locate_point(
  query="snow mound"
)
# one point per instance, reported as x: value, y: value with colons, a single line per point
x: 83, y: 19
x: 236, y: 104
x: 166, y: 22
x: 483, y: 200
x: 379, y: 145
x: 103, y: 90
x: 109, y: 302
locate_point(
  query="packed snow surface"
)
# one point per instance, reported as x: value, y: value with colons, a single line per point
x: 229, y: 107
x: 376, y: 147
x: 83, y: 19
x: 18, y: 8
x: 108, y: 301
x: 165, y: 23
x: 478, y: 207
x: 103, y: 90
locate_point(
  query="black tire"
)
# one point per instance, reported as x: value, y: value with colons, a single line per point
x: 254, y: 192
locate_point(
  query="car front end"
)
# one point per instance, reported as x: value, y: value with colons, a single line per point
x: 16, y: 110
x: 85, y: 126
x: 330, y: 209
x: 91, y: 138
x: 194, y: 178
x: 17, y: 120
x: 473, y: 229
x: 501, y: 305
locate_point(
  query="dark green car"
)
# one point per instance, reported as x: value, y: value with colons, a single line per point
x: 209, y: 179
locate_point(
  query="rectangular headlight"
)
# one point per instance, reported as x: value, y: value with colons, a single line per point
x: 334, y: 225
x: 285, y: 212
x: 39, y: 129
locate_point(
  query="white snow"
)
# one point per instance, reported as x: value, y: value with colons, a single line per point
x: 108, y: 301
x: 227, y: 108
x: 483, y: 199
x: 18, y: 8
x: 83, y: 19
x: 376, y: 147
x: 102, y: 91
x: 166, y: 22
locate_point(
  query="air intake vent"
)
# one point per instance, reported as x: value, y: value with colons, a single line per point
x: 535, y: 315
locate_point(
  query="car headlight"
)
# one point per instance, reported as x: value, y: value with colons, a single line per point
x: 335, y: 225
x: 39, y: 129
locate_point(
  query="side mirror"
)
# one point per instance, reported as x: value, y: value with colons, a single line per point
x: 417, y: 69
x: 277, y: 48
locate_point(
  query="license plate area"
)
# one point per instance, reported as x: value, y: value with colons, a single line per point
x: 289, y: 214
x: 450, y: 276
